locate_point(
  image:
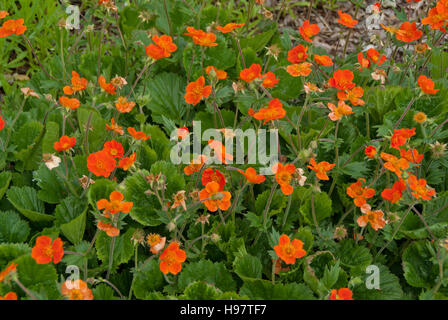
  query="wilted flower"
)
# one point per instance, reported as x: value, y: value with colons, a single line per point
x: 29, y: 92
x: 438, y: 149
x: 203, y: 219
x: 85, y: 181
x: 51, y: 161
x: 138, y: 237
x: 340, y: 233
x: 379, y: 75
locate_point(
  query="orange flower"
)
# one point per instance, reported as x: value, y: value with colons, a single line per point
x: 311, y: 87
x: 408, y: 32
x: 3, y: 14
x: 288, y: 250
x: 346, y: 20
x: 110, y: 230
x: 78, y: 83
x: 195, y: 165
x: 214, y: 198
x: 108, y: 87
x: 370, y: 151
x: 162, y: 48
x: 323, y: 60
x: 138, y: 135
x: 101, y: 163
x: 400, y: 137
x: 359, y: 193
x: 229, y: 27
x: 308, y: 30
x: 115, y: 205
x: 269, y: 80
x: 196, y: 90
x: 64, y: 143
x: 10, y: 27
x: 297, y: 54
x: 210, y: 175
x: 127, y: 162
x: 76, y: 290
x: 8, y: 271
x: 9, y: 296
x: 427, y: 85
x: 123, y: 105
x: 353, y: 96
x: 2, y: 123
x: 156, y: 242
x: 302, y: 69
x: 395, y: 193
x: 420, y: 188
x: 46, y: 251
x: 338, y: 112
x: 342, y: 80
x: 68, y: 90
x: 201, y: 38
x: 321, y: 168
x: 171, y: 259
x: 272, y: 112
x: 69, y: 103
x: 375, y: 218
x: 374, y: 56
x: 394, y: 164
x: 114, y: 127
x: 220, y: 151
x: 283, y: 176
x: 252, y: 176
x: 438, y: 16
x: 420, y: 117
x: 411, y: 155
x: 342, y: 294
x: 220, y: 74
x: 182, y: 133
x: 114, y: 149
x: 363, y: 62
x: 251, y: 73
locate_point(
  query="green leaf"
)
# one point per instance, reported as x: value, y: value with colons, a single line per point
x: 145, y: 206
x: 205, y: 270
x: 123, y: 247
x: 200, y: 290
x: 52, y: 188
x: 389, y: 287
x: 5, y: 179
x: 354, y: 256
x: 147, y: 278
x: 145, y: 209
x: 322, y: 208
x: 11, y: 251
x: 27, y: 134
x: 265, y: 290
x: 25, y: 200
x: 331, y: 276
x: 259, y: 41
x: 247, y: 267
x: 420, y: 269
x: 12, y: 228
x: 31, y: 274
x: 104, y: 292
x: 50, y: 137
x: 97, y: 132
x: 167, y: 97
x: 74, y: 230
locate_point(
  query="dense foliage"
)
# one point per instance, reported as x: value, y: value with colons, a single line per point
x: 355, y: 208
